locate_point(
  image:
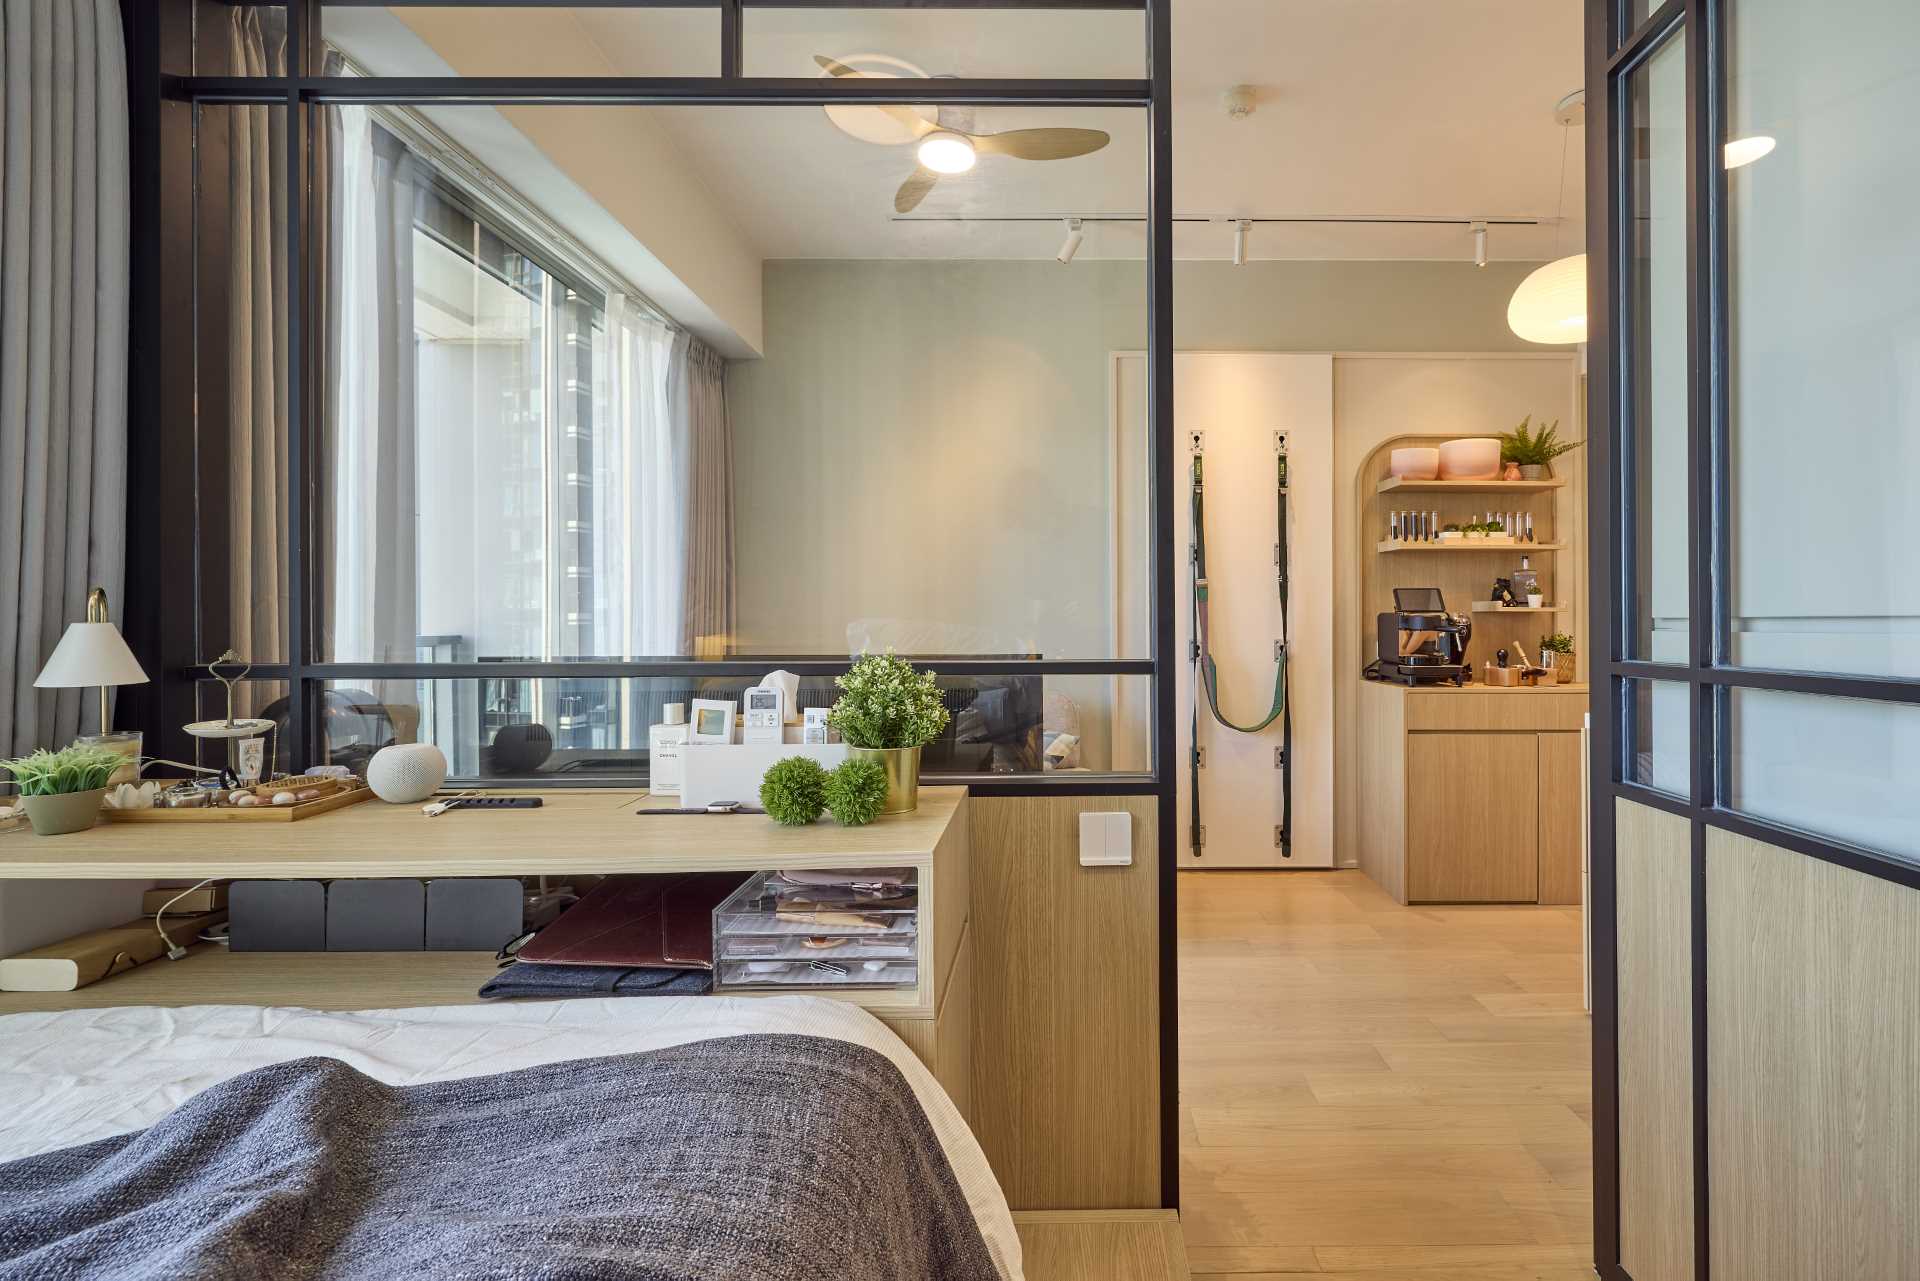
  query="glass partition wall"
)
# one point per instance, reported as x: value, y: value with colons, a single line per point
x: 551, y: 363
x: 1753, y: 320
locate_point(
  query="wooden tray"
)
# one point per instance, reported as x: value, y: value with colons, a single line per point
x: 334, y: 795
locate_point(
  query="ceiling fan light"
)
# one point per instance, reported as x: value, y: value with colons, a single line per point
x: 945, y: 152
x: 1550, y: 306
x: 1744, y: 151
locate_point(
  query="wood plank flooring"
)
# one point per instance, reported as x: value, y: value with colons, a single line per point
x: 1377, y: 1092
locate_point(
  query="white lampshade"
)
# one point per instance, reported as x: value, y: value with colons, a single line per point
x: 91, y: 654
x: 1550, y: 306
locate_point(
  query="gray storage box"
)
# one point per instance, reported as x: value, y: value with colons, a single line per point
x: 277, y: 916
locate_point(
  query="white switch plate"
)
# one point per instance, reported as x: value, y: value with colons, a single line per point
x: 1106, y: 840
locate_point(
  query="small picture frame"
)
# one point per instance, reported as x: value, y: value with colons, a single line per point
x: 712, y: 721
x: 815, y: 730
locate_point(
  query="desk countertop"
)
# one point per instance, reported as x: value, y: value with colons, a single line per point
x: 575, y: 831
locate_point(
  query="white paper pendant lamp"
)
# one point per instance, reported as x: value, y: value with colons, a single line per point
x: 1550, y: 306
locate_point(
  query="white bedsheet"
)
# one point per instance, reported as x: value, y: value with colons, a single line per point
x: 78, y: 1075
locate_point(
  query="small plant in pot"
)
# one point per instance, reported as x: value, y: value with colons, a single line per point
x: 1535, y: 449
x: 888, y: 711
x: 61, y: 791
x: 1560, y: 645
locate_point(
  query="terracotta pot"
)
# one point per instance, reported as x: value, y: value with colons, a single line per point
x: 1473, y: 458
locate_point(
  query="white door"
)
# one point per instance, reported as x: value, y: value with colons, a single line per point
x: 1238, y: 400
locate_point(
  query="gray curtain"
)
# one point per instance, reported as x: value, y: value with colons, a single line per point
x: 63, y: 345
x: 697, y: 399
x: 257, y: 586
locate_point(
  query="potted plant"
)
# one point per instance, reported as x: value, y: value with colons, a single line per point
x: 61, y: 791
x: 888, y: 711
x: 1451, y: 534
x: 1535, y: 450
x: 1474, y: 530
x: 1560, y: 645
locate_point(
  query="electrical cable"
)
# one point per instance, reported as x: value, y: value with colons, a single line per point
x: 174, y: 950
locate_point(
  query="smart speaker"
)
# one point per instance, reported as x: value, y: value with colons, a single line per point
x: 406, y: 772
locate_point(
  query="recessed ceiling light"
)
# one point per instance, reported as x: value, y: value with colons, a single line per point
x: 945, y: 152
x: 1744, y: 151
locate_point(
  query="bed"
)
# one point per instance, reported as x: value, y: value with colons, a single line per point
x: 87, y: 1091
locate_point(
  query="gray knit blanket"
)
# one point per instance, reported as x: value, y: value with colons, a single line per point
x: 763, y: 1158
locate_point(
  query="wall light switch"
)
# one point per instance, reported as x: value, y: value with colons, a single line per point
x: 1106, y: 840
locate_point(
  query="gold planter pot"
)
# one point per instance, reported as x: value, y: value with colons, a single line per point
x: 903, y: 775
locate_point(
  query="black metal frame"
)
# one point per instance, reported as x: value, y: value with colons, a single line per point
x: 159, y: 619
x: 1616, y: 47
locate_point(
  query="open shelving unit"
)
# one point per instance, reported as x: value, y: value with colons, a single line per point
x: 1464, y: 569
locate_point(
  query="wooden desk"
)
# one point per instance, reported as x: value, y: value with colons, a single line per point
x: 575, y: 832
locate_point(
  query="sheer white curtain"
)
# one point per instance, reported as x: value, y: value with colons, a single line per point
x: 370, y: 421
x: 642, y: 461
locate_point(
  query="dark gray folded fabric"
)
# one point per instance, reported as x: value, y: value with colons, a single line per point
x: 595, y: 980
x: 747, y: 1158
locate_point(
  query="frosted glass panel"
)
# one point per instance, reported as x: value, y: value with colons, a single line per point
x: 1657, y: 733
x: 1825, y: 335
x: 1842, y: 768
x: 1655, y: 417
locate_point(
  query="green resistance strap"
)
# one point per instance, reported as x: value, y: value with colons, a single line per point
x: 1203, y: 653
x: 1208, y: 672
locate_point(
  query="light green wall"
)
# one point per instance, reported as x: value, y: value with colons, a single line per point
x: 929, y: 442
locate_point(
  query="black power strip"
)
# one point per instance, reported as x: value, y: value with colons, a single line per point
x: 498, y: 803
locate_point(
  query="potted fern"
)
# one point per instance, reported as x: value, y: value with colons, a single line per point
x: 61, y: 791
x: 1535, y: 449
x: 888, y: 711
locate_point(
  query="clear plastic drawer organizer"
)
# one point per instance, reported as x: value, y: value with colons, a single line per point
x: 819, y: 929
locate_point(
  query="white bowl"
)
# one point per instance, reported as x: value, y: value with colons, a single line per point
x: 1414, y: 464
x: 1474, y: 458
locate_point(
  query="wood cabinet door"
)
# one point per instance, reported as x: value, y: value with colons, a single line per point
x: 1561, y: 764
x: 1473, y: 815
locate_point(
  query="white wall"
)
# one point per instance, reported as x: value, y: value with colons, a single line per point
x: 33, y: 913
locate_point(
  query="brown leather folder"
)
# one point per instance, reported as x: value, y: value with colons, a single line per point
x: 661, y: 921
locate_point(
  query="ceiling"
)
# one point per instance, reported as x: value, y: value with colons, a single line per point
x: 1367, y: 109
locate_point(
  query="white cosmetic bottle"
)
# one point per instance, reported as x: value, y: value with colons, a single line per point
x: 665, y: 744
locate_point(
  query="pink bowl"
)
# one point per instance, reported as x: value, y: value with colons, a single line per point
x: 1475, y: 458
x: 1414, y: 464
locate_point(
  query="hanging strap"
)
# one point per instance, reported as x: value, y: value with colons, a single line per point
x: 1203, y: 653
x: 1206, y: 673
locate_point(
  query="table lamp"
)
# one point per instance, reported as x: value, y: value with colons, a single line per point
x: 93, y: 653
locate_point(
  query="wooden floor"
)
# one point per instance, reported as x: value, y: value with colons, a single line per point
x: 1380, y: 1092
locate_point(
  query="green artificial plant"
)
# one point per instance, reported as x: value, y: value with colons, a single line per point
x: 885, y: 702
x: 73, y: 769
x: 1530, y: 447
x: 1558, y: 643
x: 856, y: 791
x: 794, y: 791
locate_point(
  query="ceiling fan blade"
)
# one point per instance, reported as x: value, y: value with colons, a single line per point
x: 1041, y: 144
x: 914, y: 189
x: 916, y: 123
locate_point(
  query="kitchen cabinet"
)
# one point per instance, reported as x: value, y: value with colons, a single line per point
x: 1471, y: 795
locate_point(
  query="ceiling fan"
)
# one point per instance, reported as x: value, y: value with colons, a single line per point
x: 943, y: 146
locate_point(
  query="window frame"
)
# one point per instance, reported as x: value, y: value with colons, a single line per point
x: 303, y: 92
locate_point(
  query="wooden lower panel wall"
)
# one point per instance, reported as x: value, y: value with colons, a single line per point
x: 1652, y: 880
x: 1813, y: 1068
x: 1066, y: 983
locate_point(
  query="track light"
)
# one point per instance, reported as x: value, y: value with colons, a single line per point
x: 1479, y: 244
x: 1240, y: 226
x: 1071, y: 245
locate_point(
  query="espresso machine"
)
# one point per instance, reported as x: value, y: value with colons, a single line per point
x: 1420, y: 642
